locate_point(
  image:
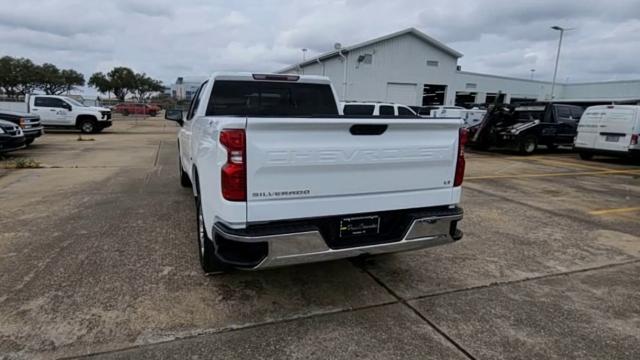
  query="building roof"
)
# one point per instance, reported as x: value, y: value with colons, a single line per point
x: 507, y: 77
x: 419, y: 34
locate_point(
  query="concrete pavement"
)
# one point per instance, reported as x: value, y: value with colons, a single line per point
x: 98, y: 258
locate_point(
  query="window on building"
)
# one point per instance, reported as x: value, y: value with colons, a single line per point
x: 434, y: 63
x: 353, y: 109
x: 491, y: 98
x: 433, y: 94
x: 521, y: 100
x: 386, y: 110
x: 365, y: 59
x: 465, y: 98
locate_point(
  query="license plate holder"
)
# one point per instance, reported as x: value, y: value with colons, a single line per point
x: 359, y: 226
x: 612, y: 138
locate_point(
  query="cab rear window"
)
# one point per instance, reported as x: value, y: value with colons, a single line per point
x: 265, y: 98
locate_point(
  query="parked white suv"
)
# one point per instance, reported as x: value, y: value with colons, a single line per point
x: 281, y: 178
x: 376, y: 109
x: 63, y: 112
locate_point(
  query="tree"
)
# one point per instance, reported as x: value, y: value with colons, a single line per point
x: 120, y: 80
x: 146, y: 86
x: 49, y: 78
x: 71, y: 79
x: 53, y: 81
x: 20, y: 76
x: 17, y: 76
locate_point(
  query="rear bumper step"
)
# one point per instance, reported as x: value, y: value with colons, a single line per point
x: 313, y: 240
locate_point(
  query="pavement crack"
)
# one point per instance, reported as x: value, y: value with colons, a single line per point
x: 533, y: 278
x: 418, y: 313
x: 216, y: 331
x: 542, y: 209
x: 155, y: 161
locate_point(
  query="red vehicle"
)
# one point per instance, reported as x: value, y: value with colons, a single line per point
x: 157, y: 106
x: 127, y: 109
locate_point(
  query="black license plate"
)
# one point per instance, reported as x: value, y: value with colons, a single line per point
x: 359, y: 226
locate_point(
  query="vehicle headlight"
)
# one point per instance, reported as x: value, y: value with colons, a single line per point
x: 1, y: 131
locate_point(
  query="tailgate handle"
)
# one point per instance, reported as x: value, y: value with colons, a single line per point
x: 368, y: 129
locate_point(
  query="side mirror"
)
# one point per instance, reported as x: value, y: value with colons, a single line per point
x: 67, y: 106
x: 174, y: 115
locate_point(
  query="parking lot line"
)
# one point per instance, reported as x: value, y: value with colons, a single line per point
x: 574, y: 164
x: 541, y: 175
x: 614, y: 211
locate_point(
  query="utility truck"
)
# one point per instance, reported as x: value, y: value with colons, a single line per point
x: 63, y: 112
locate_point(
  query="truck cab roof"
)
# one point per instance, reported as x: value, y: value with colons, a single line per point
x: 247, y: 76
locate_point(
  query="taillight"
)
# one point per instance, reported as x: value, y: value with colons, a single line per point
x: 234, y: 172
x: 634, y: 139
x: 463, y: 135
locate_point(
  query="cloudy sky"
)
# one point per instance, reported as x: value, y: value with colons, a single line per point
x: 172, y: 38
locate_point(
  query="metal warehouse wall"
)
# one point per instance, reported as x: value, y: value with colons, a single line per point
x: 512, y: 87
x: 399, y: 70
x: 600, y: 90
x: 400, y: 62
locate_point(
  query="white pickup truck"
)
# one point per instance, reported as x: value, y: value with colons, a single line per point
x: 63, y: 112
x: 280, y: 177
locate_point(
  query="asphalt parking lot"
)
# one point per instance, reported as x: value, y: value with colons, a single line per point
x: 98, y: 258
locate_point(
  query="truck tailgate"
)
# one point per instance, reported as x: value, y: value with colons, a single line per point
x: 311, y: 167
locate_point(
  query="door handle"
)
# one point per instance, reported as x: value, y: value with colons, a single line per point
x: 52, y: 109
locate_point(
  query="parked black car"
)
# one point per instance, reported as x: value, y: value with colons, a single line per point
x: 30, y: 124
x: 11, y: 137
x: 524, y: 128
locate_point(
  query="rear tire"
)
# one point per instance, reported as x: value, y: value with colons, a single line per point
x: 585, y: 155
x: 209, y: 261
x: 88, y: 126
x: 125, y: 112
x: 528, y: 145
x: 184, y: 178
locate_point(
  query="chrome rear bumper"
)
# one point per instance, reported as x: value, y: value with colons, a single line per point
x: 309, y: 246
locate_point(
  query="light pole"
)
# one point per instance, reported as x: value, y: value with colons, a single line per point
x: 555, y: 71
x: 532, y: 71
x: 304, y: 54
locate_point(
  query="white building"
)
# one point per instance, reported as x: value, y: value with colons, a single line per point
x: 185, y: 87
x: 412, y: 68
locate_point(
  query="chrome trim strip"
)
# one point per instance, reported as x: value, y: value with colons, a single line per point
x: 309, y: 246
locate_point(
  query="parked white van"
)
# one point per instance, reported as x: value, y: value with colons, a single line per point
x: 609, y: 130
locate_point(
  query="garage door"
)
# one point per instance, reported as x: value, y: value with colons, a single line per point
x: 402, y: 93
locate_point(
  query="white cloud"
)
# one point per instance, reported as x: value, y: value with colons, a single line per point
x: 167, y: 39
